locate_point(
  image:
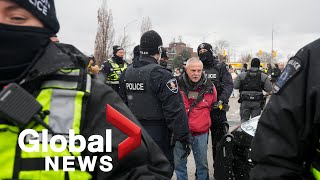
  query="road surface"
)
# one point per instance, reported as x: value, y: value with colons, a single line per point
x: 233, y: 116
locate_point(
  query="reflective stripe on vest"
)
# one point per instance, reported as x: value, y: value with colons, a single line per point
x: 315, y: 168
x: 65, y: 106
x: 316, y: 173
x: 113, y: 77
x: 59, y: 84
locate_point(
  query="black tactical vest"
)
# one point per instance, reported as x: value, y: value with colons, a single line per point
x: 214, y: 75
x: 141, y: 100
x: 252, y: 82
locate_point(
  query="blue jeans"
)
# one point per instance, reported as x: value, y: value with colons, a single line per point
x: 199, y: 145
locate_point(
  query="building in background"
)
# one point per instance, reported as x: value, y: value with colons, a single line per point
x: 176, y: 49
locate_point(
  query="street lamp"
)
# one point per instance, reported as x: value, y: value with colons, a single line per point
x: 124, y: 35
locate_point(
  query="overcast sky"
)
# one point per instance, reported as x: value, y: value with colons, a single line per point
x: 245, y: 24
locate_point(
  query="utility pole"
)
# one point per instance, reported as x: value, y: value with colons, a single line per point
x: 271, y: 47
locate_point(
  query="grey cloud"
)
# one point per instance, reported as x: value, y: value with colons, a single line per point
x: 246, y: 24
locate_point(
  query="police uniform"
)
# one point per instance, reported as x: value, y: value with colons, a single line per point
x: 113, y: 71
x: 56, y: 76
x: 151, y: 93
x: 222, y: 79
x: 286, y: 143
x: 250, y: 85
x: 82, y: 98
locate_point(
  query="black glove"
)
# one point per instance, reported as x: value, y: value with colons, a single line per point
x: 218, y: 105
x: 187, y: 149
x: 221, y: 106
x: 185, y: 142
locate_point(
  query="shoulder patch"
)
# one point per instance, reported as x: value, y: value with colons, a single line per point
x: 172, y: 85
x: 292, y: 68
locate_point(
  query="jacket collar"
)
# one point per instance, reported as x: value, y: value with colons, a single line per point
x: 143, y: 61
x: 53, y: 58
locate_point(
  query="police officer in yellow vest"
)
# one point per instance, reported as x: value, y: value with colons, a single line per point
x: 286, y: 144
x: 113, y: 67
x: 56, y: 77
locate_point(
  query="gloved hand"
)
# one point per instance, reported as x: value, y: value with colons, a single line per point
x: 221, y: 106
x: 186, y: 146
x: 218, y: 105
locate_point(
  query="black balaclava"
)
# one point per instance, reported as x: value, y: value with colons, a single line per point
x: 19, y: 45
x: 207, y: 58
x: 119, y: 60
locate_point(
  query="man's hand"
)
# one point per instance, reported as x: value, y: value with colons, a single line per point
x: 187, y: 149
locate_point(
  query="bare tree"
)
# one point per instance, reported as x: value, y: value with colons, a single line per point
x: 126, y: 44
x: 105, y: 34
x: 265, y: 57
x: 245, y: 58
x: 146, y: 25
x: 219, y: 48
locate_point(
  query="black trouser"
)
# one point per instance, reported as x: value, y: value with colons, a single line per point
x: 160, y: 134
x: 249, y: 109
x: 218, y: 117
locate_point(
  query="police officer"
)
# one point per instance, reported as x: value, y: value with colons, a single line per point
x: 164, y: 60
x: 276, y: 72
x: 113, y: 67
x: 286, y: 144
x: 152, y: 94
x: 58, y: 80
x: 220, y: 76
x: 250, y: 85
x: 136, y: 53
x: 244, y: 67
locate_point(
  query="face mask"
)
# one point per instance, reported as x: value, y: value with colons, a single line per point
x: 206, y: 57
x: 119, y: 60
x: 18, y: 47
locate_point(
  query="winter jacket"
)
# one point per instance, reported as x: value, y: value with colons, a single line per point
x: 199, y: 111
x: 286, y: 143
x: 145, y: 162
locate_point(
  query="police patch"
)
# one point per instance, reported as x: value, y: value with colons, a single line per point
x: 292, y: 68
x: 172, y: 85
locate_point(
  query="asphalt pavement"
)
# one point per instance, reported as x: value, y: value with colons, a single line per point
x: 233, y: 116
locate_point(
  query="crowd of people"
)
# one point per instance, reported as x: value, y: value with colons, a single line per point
x: 175, y: 112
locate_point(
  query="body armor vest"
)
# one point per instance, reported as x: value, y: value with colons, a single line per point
x: 252, y: 82
x: 214, y: 75
x: 65, y: 100
x: 141, y: 100
x: 113, y: 77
